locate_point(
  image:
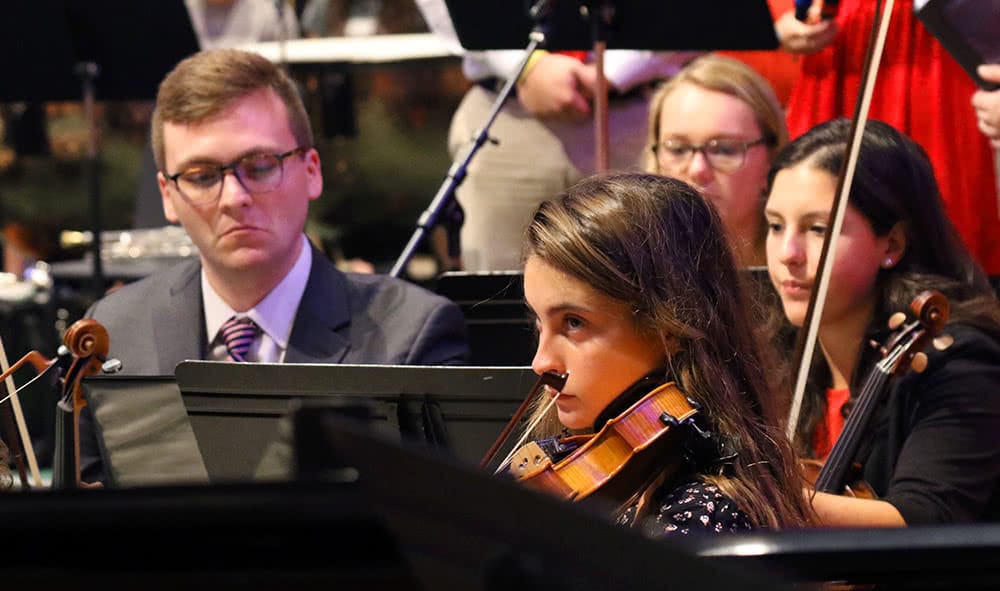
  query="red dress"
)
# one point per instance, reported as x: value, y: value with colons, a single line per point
x: 924, y: 93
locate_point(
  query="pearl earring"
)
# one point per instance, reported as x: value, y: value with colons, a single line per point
x: 888, y: 262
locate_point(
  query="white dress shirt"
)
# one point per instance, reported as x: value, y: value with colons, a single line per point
x: 623, y: 68
x: 275, y: 314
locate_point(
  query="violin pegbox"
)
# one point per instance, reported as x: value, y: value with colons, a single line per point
x: 904, y: 351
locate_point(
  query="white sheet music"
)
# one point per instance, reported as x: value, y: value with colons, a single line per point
x: 358, y: 50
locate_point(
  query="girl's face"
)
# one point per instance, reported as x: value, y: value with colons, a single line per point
x: 693, y: 115
x: 589, y: 335
x: 798, y: 211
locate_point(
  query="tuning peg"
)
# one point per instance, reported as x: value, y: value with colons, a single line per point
x: 896, y: 320
x: 943, y: 342
x: 919, y: 362
x: 112, y: 366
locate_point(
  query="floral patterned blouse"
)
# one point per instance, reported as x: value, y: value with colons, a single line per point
x: 692, y: 507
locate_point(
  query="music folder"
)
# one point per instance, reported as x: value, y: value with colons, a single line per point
x: 968, y: 29
x: 631, y: 24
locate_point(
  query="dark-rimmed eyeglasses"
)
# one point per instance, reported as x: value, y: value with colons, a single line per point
x: 257, y: 173
x: 724, y: 155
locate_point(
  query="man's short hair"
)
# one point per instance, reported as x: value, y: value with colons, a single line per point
x: 205, y: 84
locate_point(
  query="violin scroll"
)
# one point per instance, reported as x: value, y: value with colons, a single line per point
x: 89, y: 343
x: 87, y: 338
x: 905, y: 350
x: 932, y: 309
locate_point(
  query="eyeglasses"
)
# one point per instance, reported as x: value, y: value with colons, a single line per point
x: 257, y: 173
x: 724, y: 155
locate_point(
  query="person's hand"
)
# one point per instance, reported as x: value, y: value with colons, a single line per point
x: 796, y: 36
x: 558, y: 86
x: 987, y: 104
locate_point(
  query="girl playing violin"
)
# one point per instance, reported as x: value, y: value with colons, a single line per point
x: 632, y: 284
x: 932, y: 454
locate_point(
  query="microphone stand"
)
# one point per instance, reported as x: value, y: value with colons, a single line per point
x: 444, y: 200
x: 88, y: 73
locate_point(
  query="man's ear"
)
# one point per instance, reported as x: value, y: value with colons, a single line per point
x: 314, y: 172
x: 168, y: 203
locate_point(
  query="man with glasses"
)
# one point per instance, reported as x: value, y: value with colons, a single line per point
x: 237, y: 169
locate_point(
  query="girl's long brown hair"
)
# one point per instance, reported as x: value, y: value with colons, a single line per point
x: 653, y: 243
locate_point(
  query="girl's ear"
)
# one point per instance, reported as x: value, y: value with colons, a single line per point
x: 895, y: 245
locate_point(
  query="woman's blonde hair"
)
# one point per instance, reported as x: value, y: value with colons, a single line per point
x: 729, y: 76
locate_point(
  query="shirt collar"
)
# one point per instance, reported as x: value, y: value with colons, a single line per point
x: 275, y: 314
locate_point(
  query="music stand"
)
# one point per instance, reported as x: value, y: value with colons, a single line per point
x: 500, y: 330
x: 236, y: 409
x: 634, y: 24
x: 583, y: 25
x: 943, y: 556
x: 460, y: 528
x: 245, y: 537
x: 143, y: 434
x: 64, y: 50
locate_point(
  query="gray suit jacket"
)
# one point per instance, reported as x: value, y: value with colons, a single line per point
x: 157, y: 322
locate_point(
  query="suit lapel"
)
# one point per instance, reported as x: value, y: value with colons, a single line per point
x: 180, y: 334
x: 323, y: 313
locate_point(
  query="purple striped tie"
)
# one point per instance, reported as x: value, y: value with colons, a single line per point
x: 238, y: 334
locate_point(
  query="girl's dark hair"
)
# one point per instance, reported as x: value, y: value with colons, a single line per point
x: 893, y: 184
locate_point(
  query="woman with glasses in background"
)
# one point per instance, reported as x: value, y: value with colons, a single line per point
x: 717, y: 125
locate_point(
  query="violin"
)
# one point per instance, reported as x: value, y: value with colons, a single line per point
x: 903, y: 351
x: 614, y: 462
x: 88, y: 342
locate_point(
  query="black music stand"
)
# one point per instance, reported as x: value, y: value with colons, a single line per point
x: 236, y: 410
x: 460, y: 528
x: 926, y: 557
x: 634, y: 24
x: 64, y: 50
x: 581, y: 25
x: 500, y: 330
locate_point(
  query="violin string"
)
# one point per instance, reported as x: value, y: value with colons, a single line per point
x: 527, y: 432
x: 865, y: 400
x: 886, y: 368
x: 22, y: 387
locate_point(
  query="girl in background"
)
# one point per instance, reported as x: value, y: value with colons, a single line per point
x: 932, y: 454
